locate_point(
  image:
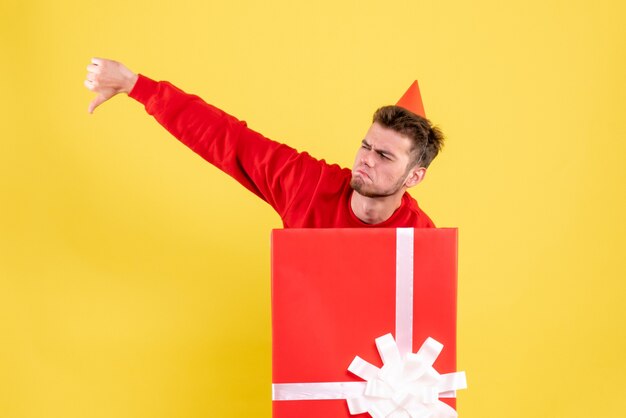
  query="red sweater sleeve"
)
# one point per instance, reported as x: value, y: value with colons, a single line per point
x: 271, y: 170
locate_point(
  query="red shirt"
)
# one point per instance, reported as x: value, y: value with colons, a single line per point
x: 306, y: 192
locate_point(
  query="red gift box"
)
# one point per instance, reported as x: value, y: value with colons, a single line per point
x: 334, y: 291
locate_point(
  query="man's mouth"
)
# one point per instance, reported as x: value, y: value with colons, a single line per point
x: 363, y: 174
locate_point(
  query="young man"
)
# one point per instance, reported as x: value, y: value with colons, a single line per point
x: 306, y: 193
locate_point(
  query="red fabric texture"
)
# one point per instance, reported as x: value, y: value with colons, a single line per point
x: 306, y: 192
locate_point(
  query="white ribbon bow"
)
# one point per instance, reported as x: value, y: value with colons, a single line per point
x: 405, y: 387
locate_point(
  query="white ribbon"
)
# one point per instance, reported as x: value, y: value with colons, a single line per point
x: 406, y: 385
x: 404, y: 289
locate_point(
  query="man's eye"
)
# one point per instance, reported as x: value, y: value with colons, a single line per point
x: 383, y: 156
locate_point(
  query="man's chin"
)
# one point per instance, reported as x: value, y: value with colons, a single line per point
x: 357, y: 184
x: 359, y: 187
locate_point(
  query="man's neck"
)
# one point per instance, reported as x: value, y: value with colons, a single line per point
x: 374, y: 210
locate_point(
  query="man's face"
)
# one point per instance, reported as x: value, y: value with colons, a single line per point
x: 381, y: 166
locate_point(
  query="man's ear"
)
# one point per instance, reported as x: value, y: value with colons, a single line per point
x: 415, y: 176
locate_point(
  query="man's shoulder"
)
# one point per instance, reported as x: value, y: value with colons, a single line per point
x: 418, y: 218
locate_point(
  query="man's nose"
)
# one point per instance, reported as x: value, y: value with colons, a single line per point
x: 367, y: 158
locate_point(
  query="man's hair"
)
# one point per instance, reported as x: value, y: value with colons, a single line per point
x: 427, y: 139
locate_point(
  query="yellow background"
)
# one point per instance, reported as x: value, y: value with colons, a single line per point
x: 134, y: 277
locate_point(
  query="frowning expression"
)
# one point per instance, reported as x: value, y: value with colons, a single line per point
x: 382, y: 163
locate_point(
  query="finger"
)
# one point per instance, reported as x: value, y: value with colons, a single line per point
x: 96, y: 102
x: 97, y: 61
x: 93, y: 68
x: 91, y: 76
x: 89, y: 84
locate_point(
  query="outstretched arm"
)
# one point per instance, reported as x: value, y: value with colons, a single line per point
x: 273, y: 171
x: 108, y: 78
